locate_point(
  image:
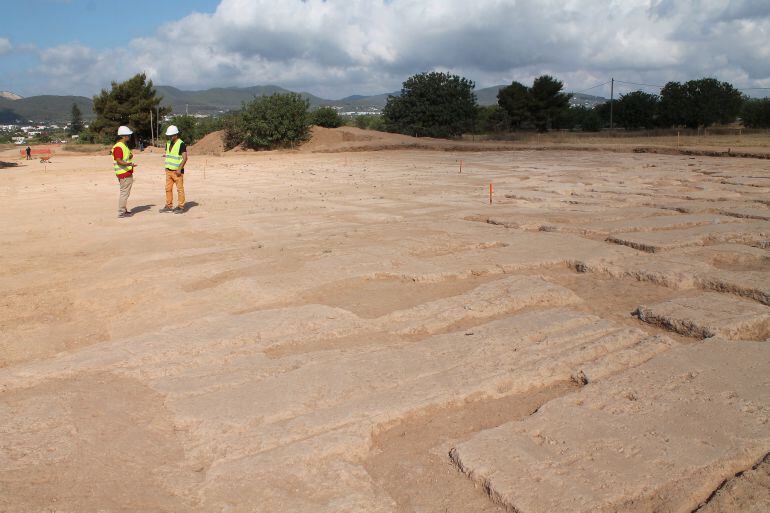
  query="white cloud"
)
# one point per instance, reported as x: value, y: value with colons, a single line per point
x: 334, y: 48
x: 5, y: 45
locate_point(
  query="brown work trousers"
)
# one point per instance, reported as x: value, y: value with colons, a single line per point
x: 125, y: 191
x: 171, y: 180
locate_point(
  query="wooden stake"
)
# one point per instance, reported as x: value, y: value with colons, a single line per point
x: 491, y: 190
x: 461, y: 167
x: 677, y: 138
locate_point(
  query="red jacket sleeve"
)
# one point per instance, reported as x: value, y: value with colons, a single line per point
x: 117, y: 153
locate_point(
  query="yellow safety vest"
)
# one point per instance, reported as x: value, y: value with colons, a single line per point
x: 173, y: 158
x: 127, y: 157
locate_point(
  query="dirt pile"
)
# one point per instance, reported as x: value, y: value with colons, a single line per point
x: 211, y: 144
x: 349, y: 138
x: 324, y: 140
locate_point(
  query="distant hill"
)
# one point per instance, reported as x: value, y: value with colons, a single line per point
x: 219, y: 99
x: 586, y: 100
x: 222, y: 99
x: 488, y: 96
x: 43, y: 108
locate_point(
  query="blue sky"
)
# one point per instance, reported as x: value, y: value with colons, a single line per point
x: 31, y: 25
x: 334, y: 48
x: 51, y: 22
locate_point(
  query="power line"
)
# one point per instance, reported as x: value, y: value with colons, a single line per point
x: 592, y: 87
x: 638, y: 84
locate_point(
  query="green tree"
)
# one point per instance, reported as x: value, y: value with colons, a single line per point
x: 127, y: 103
x: 756, y: 113
x: 432, y: 105
x: 674, y: 105
x: 76, y: 120
x: 267, y: 122
x: 714, y: 101
x: 516, y: 101
x: 579, y: 116
x: 636, y: 110
x: 188, y: 128
x: 592, y: 120
x: 492, y: 118
x: 327, y: 117
x: 193, y: 129
x: 701, y: 102
x: 547, y: 101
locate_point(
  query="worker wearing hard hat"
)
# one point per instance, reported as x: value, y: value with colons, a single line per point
x: 123, y: 164
x: 176, y: 158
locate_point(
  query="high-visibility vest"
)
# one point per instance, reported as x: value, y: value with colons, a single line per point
x: 173, y: 158
x: 127, y: 157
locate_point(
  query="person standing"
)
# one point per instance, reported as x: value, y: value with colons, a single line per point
x: 29, y: 153
x: 176, y: 158
x: 123, y: 164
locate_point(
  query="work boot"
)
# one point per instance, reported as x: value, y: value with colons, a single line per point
x: 125, y: 214
x: 179, y: 210
x: 166, y: 210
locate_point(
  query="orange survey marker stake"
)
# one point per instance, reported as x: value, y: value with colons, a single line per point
x: 491, y: 190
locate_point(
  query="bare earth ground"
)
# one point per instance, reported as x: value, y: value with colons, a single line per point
x: 363, y: 331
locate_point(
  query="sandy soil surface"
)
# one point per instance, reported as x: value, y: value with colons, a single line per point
x: 330, y: 331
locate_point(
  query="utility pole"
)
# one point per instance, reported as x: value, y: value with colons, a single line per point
x: 612, y: 98
x: 186, y: 109
x: 152, y: 132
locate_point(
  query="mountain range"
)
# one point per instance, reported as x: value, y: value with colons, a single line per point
x: 49, y: 108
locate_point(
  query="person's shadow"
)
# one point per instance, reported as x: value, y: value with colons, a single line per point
x: 190, y: 204
x: 141, y: 208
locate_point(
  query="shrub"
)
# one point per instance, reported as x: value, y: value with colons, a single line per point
x: 492, y: 118
x: 326, y: 117
x: 193, y: 129
x: 592, y: 121
x: 232, y: 124
x: 369, y: 122
x: 275, y: 121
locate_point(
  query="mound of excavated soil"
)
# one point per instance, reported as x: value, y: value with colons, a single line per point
x: 211, y: 144
x: 351, y: 138
x: 323, y: 140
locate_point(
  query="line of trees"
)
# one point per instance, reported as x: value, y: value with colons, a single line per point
x: 443, y: 105
x: 430, y: 105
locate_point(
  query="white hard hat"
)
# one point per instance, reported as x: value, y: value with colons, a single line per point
x: 124, y: 130
x: 172, y: 130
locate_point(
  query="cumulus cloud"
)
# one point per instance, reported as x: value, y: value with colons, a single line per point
x: 5, y: 45
x: 334, y: 48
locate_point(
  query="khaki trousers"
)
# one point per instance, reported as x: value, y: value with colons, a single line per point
x: 125, y: 192
x: 171, y: 180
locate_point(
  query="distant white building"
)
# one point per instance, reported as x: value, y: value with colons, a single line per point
x: 18, y: 140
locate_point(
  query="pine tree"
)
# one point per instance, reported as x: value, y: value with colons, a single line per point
x: 76, y: 122
x: 127, y: 103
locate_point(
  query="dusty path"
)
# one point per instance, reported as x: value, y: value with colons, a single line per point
x: 265, y: 351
